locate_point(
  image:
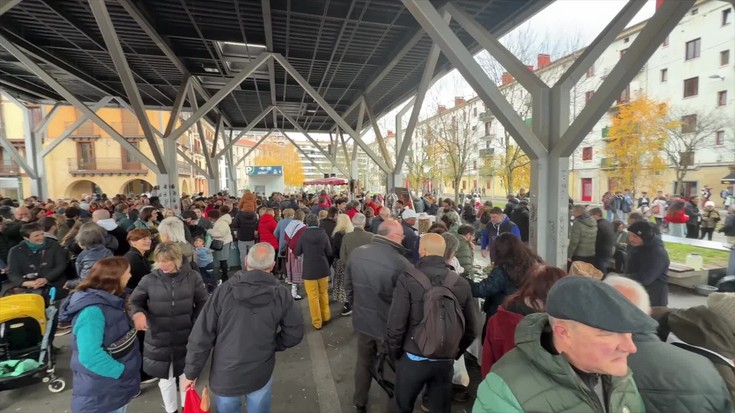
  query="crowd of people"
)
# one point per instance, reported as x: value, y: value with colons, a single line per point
x: 152, y: 295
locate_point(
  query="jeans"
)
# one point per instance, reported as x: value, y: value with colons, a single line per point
x: 168, y: 391
x: 692, y: 231
x: 411, y: 376
x: 610, y: 214
x: 318, y: 295
x: 258, y: 401
x: 207, y: 273
x: 244, y: 247
x: 708, y: 232
x: 123, y: 409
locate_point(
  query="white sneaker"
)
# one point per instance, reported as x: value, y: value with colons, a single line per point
x: 297, y: 297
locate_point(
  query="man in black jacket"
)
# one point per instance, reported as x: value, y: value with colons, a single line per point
x: 648, y: 262
x: 249, y: 318
x: 370, y: 277
x: 695, y: 217
x: 102, y: 218
x: 605, y: 242
x: 414, y: 369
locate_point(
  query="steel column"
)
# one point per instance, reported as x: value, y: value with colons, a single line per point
x: 217, y: 131
x: 231, y: 172
x: 645, y: 44
x: 39, y: 185
x: 178, y: 105
x: 462, y: 59
x: 104, y: 22
x: 399, y: 126
x: 378, y: 133
x: 261, y: 140
x: 208, y: 161
x: 221, y: 94
x: 247, y: 129
x: 61, y: 90
x: 6, y: 5
x: 168, y: 183
x: 312, y: 140
x: 59, y: 139
x: 330, y: 111
x: 14, y: 154
x: 47, y: 118
x: 418, y: 101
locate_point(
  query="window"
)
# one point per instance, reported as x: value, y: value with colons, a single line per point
x: 129, y: 161
x: 722, y: 98
x: 695, y: 11
x: 591, y: 71
x: 664, y: 75
x: 474, y: 164
x: 691, y: 87
x: 85, y: 156
x: 488, y: 126
x: 724, y: 57
x: 626, y: 40
x: 474, y: 128
x: 692, y: 49
x: 474, y: 112
x: 622, y: 52
x: 686, y: 158
x: 588, y: 95
x: 587, y: 153
x: 666, y: 42
x: 720, y: 137
x: 688, y: 123
x: 726, y: 17
x: 624, y: 96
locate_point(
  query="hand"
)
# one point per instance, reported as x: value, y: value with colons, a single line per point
x: 140, y: 321
x: 186, y: 384
x: 28, y: 284
x: 40, y: 283
x: 483, y: 253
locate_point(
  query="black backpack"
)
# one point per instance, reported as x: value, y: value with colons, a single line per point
x: 442, y: 326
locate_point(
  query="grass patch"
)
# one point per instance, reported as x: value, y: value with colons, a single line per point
x: 678, y: 253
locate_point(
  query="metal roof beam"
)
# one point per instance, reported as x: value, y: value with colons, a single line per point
x: 301, y: 150
x: 10, y: 149
x: 312, y: 140
x: 85, y: 117
x: 378, y: 133
x: 107, y: 28
x: 164, y: 45
x: 61, y: 90
x: 217, y: 131
x: 26, y: 87
x: 178, y: 105
x: 247, y: 129
x: 645, y: 44
x: 202, y: 139
x: 331, y: 112
x: 47, y: 118
x: 261, y: 140
x: 186, y: 157
x: 6, y: 5
x: 221, y: 94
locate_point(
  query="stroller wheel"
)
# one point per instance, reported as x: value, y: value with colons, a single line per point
x: 57, y: 386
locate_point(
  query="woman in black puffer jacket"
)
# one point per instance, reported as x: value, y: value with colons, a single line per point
x: 165, y: 305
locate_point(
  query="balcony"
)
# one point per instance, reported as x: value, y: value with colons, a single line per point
x: 9, y: 169
x: 608, y: 163
x: 105, y: 166
x: 606, y: 133
x: 486, y: 117
x: 484, y: 153
x: 91, y: 130
x: 528, y: 121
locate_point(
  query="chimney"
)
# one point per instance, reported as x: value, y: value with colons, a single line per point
x: 658, y: 3
x: 390, y: 133
x: 441, y: 109
x: 458, y: 101
x: 530, y: 67
x: 507, y: 78
x: 543, y: 60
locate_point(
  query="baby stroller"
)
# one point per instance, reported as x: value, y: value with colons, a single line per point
x: 25, y: 330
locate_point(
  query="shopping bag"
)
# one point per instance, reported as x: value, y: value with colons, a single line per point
x: 585, y: 269
x: 194, y: 404
x: 460, y: 375
x: 382, y: 365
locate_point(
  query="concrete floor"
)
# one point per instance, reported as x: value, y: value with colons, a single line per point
x: 314, y: 377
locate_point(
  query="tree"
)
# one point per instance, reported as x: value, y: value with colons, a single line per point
x: 688, y: 132
x: 274, y: 154
x: 514, y: 166
x: 636, y: 139
x: 451, y: 133
x: 420, y: 161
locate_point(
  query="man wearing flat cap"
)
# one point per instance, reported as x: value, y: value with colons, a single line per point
x: 648, y: 262
x: 572, y: 359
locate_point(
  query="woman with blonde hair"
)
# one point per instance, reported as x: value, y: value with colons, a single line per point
x: 344, y: 226
x: 165, y: 305
x: 168, y: 213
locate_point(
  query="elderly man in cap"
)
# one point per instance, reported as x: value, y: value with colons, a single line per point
x: 648, y: 262
x: 410, y: 237
x: 657, y: 367
x: 573, y: 359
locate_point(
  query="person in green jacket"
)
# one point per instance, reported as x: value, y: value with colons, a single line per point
x: 582, y: 236
x: 572, y: 359
x: 466, y: 252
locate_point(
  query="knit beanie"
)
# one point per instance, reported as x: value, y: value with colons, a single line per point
x: 723, y: 304
x: 642, y: 229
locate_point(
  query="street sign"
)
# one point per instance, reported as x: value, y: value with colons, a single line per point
x: 263, y: 170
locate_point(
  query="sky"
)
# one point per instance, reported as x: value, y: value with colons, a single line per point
x: 565, y: 25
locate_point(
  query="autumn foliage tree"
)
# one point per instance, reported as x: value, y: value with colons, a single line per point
x: 275, y: 154
x: 636, y: 139
x: 514, y: 167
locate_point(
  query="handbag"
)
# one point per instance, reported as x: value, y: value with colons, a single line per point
x: 122, y: 346
x: 217, y: 245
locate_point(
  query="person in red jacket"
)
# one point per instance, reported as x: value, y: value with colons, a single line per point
x: 266, y: 227
x: 530, y: 298
x: 677, y: 219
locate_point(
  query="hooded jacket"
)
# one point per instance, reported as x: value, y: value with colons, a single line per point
x: 500, y: 333
x: 101, y: 383
x: 649, y: 265
x: 119, y: 233
x: 85, y: 260
x: 492, y: 231
x: 221, y: 229
x: 370, y: 276
x: 316, y: 249
x: 531, y: 379
x: 266, y: 230
x: 246, y: 321
x: 582, y: 237
x: 605, y: 240
x: 171, y: 303
x: 657, y: 368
